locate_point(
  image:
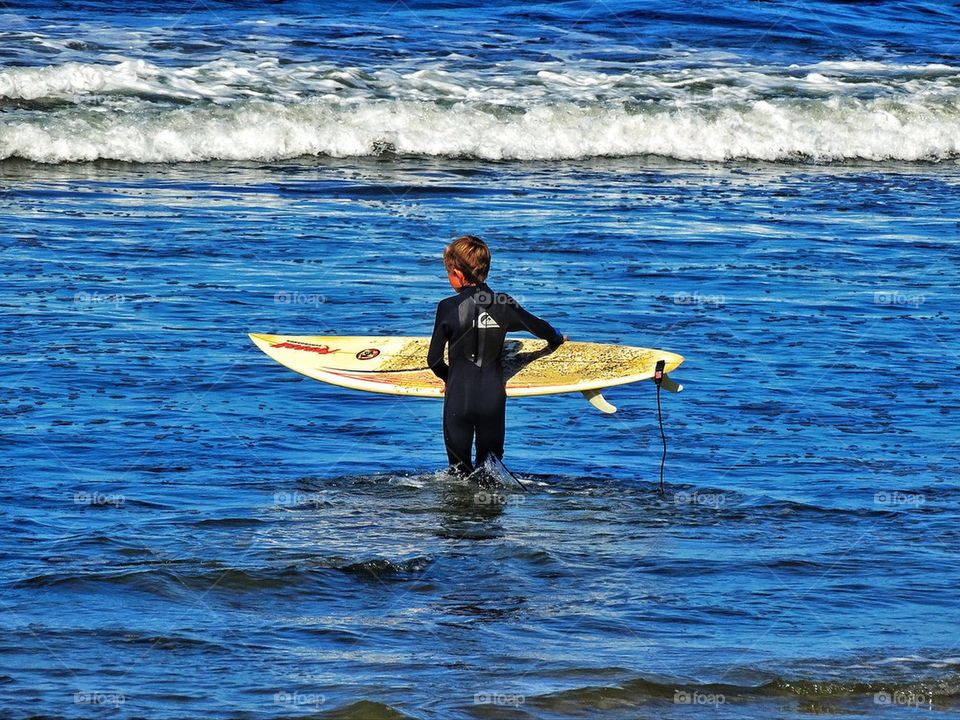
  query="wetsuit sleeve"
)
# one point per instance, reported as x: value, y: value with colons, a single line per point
x: 437, y: 342
x: 522, y: 320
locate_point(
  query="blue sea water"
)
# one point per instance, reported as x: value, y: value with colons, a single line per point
x: 769, y: 189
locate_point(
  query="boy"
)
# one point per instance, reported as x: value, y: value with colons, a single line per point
x: 475, y: 322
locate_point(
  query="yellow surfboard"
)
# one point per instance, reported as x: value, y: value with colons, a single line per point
x: 398, y: 365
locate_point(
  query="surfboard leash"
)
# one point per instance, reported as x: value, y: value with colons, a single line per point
x: 510, y: 473
x: 658, y: 378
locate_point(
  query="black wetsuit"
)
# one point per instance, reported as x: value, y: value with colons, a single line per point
x: 475, y: 322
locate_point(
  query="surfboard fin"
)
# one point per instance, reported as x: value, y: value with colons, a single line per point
x: 596, y: 398
x: 668, y: 383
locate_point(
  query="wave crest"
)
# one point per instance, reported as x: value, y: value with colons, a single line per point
x: 138, y: 112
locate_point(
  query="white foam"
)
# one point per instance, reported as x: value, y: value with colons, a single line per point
x: 71, y: 79
x: 831, y: 130
x: 255, y: 108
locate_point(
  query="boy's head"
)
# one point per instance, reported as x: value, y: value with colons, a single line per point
x: 467, y: 260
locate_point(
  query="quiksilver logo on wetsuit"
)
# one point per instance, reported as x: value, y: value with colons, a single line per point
x: 486, y: 321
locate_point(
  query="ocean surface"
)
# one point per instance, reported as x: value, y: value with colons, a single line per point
x: 771, y: 189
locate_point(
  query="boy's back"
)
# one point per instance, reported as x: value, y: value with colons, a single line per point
x: 475, y: 322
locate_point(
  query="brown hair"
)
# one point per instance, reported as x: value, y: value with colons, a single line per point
x: 470, y: 255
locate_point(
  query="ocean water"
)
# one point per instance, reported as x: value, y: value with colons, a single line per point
x: 770, y: 189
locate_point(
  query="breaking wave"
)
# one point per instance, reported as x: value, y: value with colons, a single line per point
x: 258, y: 109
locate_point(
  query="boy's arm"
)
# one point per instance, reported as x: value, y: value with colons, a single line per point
x: 523, y: 320
x: 437, y: 343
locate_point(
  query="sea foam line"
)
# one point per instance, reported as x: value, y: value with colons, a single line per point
x: 822, y: 130
x: 251, y: 107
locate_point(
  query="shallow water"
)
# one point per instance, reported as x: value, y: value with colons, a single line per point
x: 177, y: 504
x: 194, y: 531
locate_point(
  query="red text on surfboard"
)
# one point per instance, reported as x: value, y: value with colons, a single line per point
x: 322, y: 349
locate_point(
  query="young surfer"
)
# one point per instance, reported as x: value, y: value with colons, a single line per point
x: 474, y: 323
